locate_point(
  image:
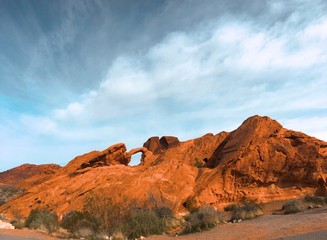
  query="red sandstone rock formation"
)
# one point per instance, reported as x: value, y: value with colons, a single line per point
x: 259, y: 160
x: 18, y: 175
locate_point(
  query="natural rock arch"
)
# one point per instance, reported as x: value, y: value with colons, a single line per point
x: 146, y: 154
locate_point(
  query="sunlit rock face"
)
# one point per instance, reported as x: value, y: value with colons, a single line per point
x: 260, y: 160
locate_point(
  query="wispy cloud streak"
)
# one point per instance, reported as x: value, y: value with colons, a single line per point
x: 207, y: 78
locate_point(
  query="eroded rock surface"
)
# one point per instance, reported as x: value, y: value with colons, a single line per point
x: 259, y: 160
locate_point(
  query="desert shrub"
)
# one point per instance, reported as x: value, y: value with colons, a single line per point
x: 144, y: 222
x: 7, y: 192
x: 42, y: 219
x: 110, y: 216
x: 160, y: 208
x: 315, y: 200
x: 205, y: 218
x: 168, y: 218
x: 190, y: 204
x: 293, y: 206
x: 163, y: 212
x: 198, y: 163
x: 80, y: 223
x: 119, y: 220
x: 231, y: 207
x: 248, y: 210
x: 18, y: 223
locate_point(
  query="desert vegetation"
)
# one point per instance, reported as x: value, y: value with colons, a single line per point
x: 299, y: 205
x: 42, y: 219
x: 244, y: 211
x: 294, y: 206
x: 7, y: 192
x: 101, y: 217
x: 315, y: 201
x: 204, y: 218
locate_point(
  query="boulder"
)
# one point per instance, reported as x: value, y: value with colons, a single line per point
x: 157, y: 146
x: 5, y: 225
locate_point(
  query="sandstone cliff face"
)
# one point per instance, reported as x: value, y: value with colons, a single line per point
x: 262, y: 160
x: 259, y: 160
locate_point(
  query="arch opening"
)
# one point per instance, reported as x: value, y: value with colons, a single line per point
x: 136, y: 159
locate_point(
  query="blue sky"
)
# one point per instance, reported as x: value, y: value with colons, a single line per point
x: 82, y: 75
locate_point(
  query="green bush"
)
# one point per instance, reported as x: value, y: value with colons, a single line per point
x: 42, y: 219
x: 205, y: 218
x: 79, y: 222
x: 248, y: 210
x: 144, y: 222
x: 293, y: 206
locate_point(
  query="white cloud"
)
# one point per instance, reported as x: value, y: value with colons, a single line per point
x: 233, y: 66
x: 316, y: 31
x: 73, y: 110
x: 207, y: 79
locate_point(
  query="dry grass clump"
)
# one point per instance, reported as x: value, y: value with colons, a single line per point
x: 315, y: 201
x: 248, y: 210
x: 294, y: 206
x: 297, y: 205
x: 204, y: 218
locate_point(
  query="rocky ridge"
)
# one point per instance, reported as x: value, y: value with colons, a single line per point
x: 18, y: 175
x: 260, y: 160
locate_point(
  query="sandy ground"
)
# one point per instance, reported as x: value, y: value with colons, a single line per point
x: 311, y: 224
x: 266, y: 227
x: 23, y: 235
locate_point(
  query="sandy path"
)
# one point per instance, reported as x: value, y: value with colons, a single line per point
x: 264, y: 227
x: 23, y: 235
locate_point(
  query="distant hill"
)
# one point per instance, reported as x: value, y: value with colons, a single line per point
x: 17, y: 175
